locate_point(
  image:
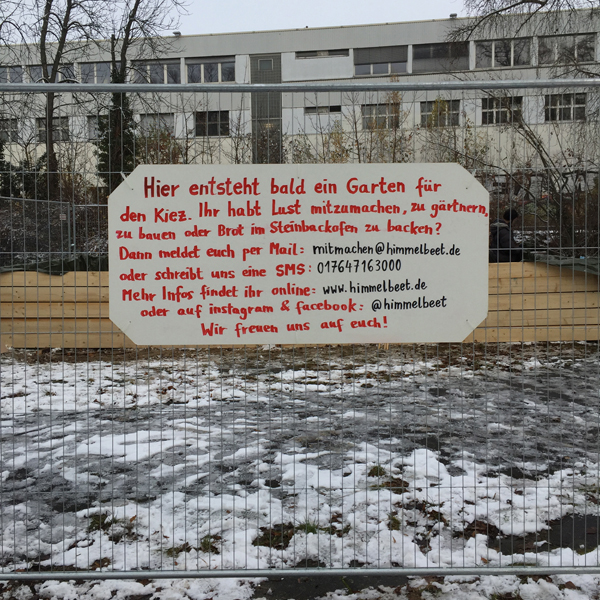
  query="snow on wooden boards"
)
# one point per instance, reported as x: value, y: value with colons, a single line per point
x: 527, y: 303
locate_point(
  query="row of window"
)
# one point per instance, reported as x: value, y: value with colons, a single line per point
x: 35, y: 74
x: 502, y: 53
x: 557, y: 49
x: 382, y: 60
x: 198, y: 71
x: 445, y: 113
x: 435, y: 113
x: 386, y: 60
x: 322, y: 53
x: 494, y: 54
x: 557, y: 107
x: 210, y: 123
x: 9, y: 129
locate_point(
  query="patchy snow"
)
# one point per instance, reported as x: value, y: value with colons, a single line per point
x: 276, y: 458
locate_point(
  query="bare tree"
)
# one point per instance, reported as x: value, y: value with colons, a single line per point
x: 60, y: 31
x: 507, y: 19
x: 137, y: 30
x: 11, y: 22
x: 444, y: 140
x: 240, y: 150
x: 556, y: 169
x: 541, y: 16
x: 367, y: 128
x: 135, y: 33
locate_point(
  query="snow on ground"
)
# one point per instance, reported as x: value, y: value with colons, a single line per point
x: 280, y: 458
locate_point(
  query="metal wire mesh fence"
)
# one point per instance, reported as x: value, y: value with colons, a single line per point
x: 480, y: 457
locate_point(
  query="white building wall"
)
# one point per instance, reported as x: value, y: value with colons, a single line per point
x: 533, y: 110
x: 242, y: 68
x: 295, y: 119
x: 315, y: 69
x: 470, y: 111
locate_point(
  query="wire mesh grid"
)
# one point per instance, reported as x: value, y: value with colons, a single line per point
x: 480, y: 457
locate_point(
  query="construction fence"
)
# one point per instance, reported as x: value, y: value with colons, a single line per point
x: 478, y: 457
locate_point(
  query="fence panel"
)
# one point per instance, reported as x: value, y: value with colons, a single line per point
x: 479, y: 457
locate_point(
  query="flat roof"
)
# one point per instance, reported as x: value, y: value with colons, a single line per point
x: 328, y: 27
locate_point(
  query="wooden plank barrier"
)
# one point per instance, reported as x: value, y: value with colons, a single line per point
x: 527, y: 303
x: 49, y: 311
x: 540, y: 303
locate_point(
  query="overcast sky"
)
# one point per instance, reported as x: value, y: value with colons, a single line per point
x: 224, y: 16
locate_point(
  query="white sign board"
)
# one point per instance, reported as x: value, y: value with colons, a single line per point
x: 298, y: 254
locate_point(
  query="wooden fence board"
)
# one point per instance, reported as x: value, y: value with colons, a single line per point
x: 527, y: 302
x: 542, y: 301
x: 54, y: 294
x: 536, y: 318
x: 56, y: 325
x: 543, y: 286
x: 534, y: 334
x: 67, y: 340
x: 527, y: 270
x: 33, y: 278
x: 54, y: 310
x: 94, y: 309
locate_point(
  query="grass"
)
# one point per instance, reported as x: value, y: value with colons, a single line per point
x: 277, y: 537
x: 101, y: 522
x: 377, y: 471
x: 394, y: 523
x: 177, y: 550
x: 307, y: 527
x: 280, y: 535
x: 115, y: 528
x: 207, y: 544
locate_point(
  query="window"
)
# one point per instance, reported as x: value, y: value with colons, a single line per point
x: 173, y: 73
x: 564, y: 49
x: 386, y: 60
x: 60, y: 129
x: 210, y: 71
x: 495, y: 111
x: 153, y: 122
x: 65, y: 73
x: 11, y: 74
x: 265, y: 64
x: 431, y: 58
x: 157, y: 72
x: 9, y: 131
x: 564, y: 107
x: 212, y: 123
x: 322, y: 110
x: 322, y: 53
x: 380, y: 116
x: 35, y: 74
x: 440, y: 113
x: 502, y: 53
x: 95, y: 72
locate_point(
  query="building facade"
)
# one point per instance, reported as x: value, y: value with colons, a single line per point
x: 284, y: 127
